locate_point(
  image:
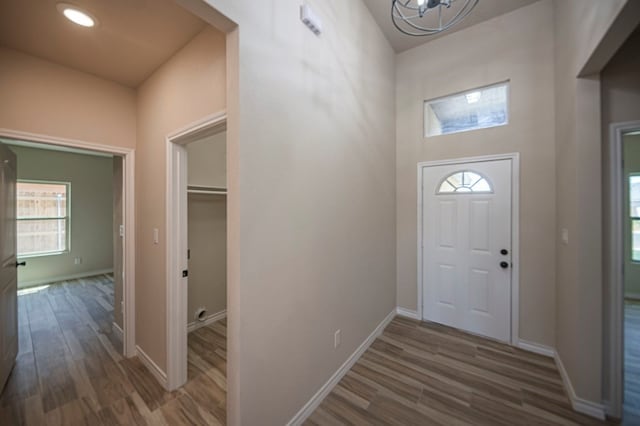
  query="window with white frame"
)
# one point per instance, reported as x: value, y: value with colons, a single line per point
x: 464, y: 182
x: 634, y: 216
x: 471, y: 110
x: 42, y: 217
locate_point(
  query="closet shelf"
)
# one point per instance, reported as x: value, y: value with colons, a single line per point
x: 206, y: 190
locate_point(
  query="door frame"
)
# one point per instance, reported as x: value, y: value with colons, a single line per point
x: 515, y: 228
x: 129, y: 245
x: 616, y: 276
x: 176, y: 253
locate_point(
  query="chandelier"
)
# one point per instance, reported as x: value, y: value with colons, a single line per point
x: 429, y: 17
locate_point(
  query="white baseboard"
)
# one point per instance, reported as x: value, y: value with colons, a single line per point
x: 156, y: 371
x: 192, y: 326
x: 632, y: 296
x: 537, y: 348
x: 50, y: 280
x: 408, y: 313
x: 117, y: 331
x: 580, y: 405
x: 316, y: 399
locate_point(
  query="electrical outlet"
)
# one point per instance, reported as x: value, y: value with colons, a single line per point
x: 336, y: 339
x: 565, y: 236
x: 77, y: 261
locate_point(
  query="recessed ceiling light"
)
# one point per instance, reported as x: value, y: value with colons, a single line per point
x: 76, y: 15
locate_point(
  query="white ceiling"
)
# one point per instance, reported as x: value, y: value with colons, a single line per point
x: 485, y: 10
x: 133, y: 37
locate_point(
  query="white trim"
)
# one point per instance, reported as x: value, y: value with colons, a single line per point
x: 408, y: 313
x: 316, y: 399
x: 632, y: 296
x: 193, y: 326
x: 580, y: 405
x: 129, y: 250
x: 176, y: 207
x: 515, y: 229
x: 153, y: 368
x: 129, y: 256
x: 536, y: 348
x: 117, y: 330
x: 52, y: 280
x: 616, y: 261
x: 73, y: 143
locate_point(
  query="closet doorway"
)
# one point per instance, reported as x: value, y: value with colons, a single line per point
x: 196, y: 252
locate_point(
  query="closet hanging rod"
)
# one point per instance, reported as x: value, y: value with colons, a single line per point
x: 206, y: 190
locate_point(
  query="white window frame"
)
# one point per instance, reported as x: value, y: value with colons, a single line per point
x: 427, y: 111
x: 67, y: 219
x: 631, y: 217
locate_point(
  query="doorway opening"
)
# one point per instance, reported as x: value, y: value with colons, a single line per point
x: 624, y: 295
x: 75, y: 203
x: 196, y: 248
x: 468, y: 245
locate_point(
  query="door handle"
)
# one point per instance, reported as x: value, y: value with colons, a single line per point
x: 504, y: 265
x: 23, y: 263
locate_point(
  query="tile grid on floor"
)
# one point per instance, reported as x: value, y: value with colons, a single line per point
x: 70, y: 370
x: 419, y: 373
x: 631, y: 412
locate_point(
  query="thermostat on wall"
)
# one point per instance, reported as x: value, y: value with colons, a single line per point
x: 310, y: 19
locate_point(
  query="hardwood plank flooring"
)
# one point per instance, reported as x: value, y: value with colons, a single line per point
x: 70, y: 370
x: 631, y: 415
x: 419, y: 373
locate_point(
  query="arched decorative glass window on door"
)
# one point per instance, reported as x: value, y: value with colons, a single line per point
x: 465, y: 181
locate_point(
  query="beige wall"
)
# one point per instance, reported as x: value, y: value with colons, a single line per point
x: 483, y: 56
x: 208, y: 161
x: 118, y: 242
x: 312, y: 178
x: 207, y: 223
x: 42, y: 97
x: 190, y: 86
x: 579, y: 27
x: 91, y: 212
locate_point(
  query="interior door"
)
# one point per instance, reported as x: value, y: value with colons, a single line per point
x: 466, y: 246
x: 8, y: 275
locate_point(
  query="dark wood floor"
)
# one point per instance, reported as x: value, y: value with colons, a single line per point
x: 70, y: 372
x: 428, y: 374
x: 632, y: 363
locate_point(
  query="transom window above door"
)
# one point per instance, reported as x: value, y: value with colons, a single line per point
x: 475, y: 109
x: 465, y: 181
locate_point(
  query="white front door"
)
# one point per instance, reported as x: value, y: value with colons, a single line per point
x: 466, y: 246
x: 8, y: 276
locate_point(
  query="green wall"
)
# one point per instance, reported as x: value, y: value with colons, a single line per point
x: 91, y: 213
